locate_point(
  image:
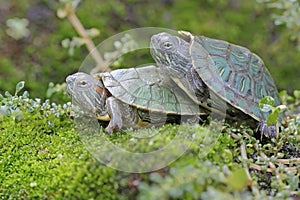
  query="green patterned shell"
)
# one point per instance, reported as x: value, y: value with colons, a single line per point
x: 146, y: 89
x: 234, y: 73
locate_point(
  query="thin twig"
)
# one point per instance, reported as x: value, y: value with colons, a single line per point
x: 244, y: 157
x: 289, y: 161
x: 101, y: 64
x: 272, y: 165
x: 261, y: 153
x: 259, y: 168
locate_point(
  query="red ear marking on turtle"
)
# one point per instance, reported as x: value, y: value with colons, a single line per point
x: 99, y: 89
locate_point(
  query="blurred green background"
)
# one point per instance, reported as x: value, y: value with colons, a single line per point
x: 40, y: 58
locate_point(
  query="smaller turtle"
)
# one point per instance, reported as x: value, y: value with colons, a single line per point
x: 135, y: 97
x: 231, y: 74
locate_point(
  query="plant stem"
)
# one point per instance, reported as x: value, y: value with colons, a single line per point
x: 101, y: 64
x: 244, y: 156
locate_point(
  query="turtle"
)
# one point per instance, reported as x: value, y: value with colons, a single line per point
x: 132, y: 98
x: 231, y: 74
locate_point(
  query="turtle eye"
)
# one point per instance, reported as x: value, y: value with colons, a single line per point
x: 167, y: 45
x: 83, y: 83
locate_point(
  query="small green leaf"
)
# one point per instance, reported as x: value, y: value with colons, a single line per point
x: 267, y: 100
x: 1, y: 97
x: 31, y: 110
x: 285, y: 97
x: 274, y: 117
x: 19, y: 86
x: 297, y: 94
x: 19, y: 117
x: 8, y: 112
x: 227, y: 156
x: 266, y: 104
x: 293, y: 180
x: 238, y: 180
x: 7, y: 94
x: 25, y: 94
x: 17, y: 28
x: 282, y: 93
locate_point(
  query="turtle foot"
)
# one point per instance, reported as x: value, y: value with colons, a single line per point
x: 112, y: 129
x: 267, y: 131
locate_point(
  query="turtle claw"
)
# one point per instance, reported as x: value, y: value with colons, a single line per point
x: 112, y: 129
x: 114, y: 126
x: 267, y: 131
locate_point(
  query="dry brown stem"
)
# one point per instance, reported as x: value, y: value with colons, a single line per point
x: 271, y: 165
x: 101, y: 64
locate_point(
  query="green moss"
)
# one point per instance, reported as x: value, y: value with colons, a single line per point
x: 43, y: 155
x: 36, y: 164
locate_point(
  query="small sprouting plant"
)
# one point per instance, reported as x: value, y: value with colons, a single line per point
x: 293, y: 111
x: 287, y: 112
x: 19, y: 105
x: 267, y: 105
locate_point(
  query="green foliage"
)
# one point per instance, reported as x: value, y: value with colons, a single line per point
x: 16, y: 106
x: 267, y: 105
x: 194, y: 180
x: 213, y: 178
x: 40, y: 58
x: 57, y: 92
x: 222, y: 174
x: 289, y: 15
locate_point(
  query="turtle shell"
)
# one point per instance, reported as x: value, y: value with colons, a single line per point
x: 234, y: 73
x: 146, y: 89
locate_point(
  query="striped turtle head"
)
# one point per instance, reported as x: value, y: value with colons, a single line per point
x: 88, y: 93
x: 171, y: 51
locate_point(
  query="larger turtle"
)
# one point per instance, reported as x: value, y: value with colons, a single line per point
x: 232, y: 74
x: 135, y: 97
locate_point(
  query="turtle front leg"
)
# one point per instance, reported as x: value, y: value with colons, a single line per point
x: 121, y: 115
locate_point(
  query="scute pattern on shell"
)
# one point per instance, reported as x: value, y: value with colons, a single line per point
x: 237, y: 75
x: 146, y: 89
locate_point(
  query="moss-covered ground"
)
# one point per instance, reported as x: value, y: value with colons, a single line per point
x: 44, y: 156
